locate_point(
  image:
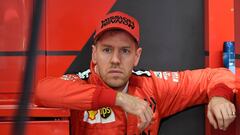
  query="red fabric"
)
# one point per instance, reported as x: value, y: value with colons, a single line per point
x: 222, y: 90
x: 106, y: 97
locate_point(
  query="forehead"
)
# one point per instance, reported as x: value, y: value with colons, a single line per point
x: 116, y: 34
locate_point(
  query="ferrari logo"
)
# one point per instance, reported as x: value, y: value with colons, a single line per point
x: 92, y: 114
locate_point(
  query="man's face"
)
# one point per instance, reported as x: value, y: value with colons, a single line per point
x: 115, y: 54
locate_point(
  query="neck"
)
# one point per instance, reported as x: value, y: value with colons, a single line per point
x: 123, y: 89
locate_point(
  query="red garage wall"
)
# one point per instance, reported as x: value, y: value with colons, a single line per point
x: 67, y: 26
x: 220, y: 26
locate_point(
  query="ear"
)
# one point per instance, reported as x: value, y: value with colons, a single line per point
x: 138, y: 55
x: 94, y: 51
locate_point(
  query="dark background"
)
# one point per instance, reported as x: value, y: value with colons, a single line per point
x: 172, y: 40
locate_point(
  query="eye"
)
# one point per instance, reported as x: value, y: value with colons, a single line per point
x: 106, y: 50
x: 125, y: 51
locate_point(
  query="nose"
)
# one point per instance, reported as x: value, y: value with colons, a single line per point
x: 115, y: 57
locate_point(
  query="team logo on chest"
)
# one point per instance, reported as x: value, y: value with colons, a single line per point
x: 102, y: 115
x: 92, y: 114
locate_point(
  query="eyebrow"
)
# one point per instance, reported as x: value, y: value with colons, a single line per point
x: 107, y: 45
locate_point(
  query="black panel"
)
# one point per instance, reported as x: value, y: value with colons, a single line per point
x: 172, y: 39
x: 188, y: 122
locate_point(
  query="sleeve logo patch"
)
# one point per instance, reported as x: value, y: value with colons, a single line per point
x: 69, y: 77
x: 175, y: 76
x: 167, y: 75
x: 158, y: 74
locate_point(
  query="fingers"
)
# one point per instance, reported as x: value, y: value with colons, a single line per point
x: 211, y: 119
x: 225, y: 118
x: 145, y: 117
x: 233, y: 109
x: 229, y: 111
x: 142, y: 123
x: 148, y: 114
x: 219, y: 118
x: 221, y: 113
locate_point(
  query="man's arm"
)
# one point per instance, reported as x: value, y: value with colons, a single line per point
x: 71, y: 92
x: 179, y: 90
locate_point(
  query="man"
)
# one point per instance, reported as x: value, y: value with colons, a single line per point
x: 111, y: 98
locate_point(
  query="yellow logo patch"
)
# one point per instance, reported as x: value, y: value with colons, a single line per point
x: 92, y: 114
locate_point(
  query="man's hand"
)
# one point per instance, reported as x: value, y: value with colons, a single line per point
x: 136, y: 106
x: 221, y: 112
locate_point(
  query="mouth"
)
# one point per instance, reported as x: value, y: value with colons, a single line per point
x: 115, y: 71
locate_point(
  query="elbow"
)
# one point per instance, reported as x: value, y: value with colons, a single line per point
x: 40, y: 96
x: 47, y: 93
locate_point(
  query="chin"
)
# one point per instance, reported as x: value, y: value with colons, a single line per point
x: 116, y: 84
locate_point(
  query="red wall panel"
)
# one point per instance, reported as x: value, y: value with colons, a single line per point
x: 14, y: 19
x: 237, y: 25
x: 14, y: 22
x: 69, y: 26
x: 219, y: 27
